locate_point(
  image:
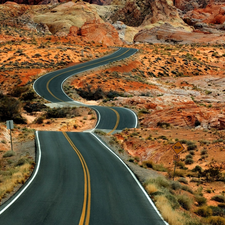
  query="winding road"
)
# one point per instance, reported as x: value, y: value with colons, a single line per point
x: 78, y: 179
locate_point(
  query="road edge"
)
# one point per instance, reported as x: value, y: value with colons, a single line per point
x: 23, y: 188
x: 133, y: 175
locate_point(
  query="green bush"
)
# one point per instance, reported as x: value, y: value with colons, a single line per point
x: 21, y: 162
x: 189, y: 156
x: 186, y: 188
x: 192, y: 152
x: 215, y: 220
x: 184, y: 201
x: 221, y: 205
x: 189, y: 161
x: 160, y: 182
x: 173, y: 201
x: 90, y: 94
x: 19, y: 90
x: 61, y: 112
x: 219, y: 198
x: 9, y: 154
x: 40, y: 120
x: 204, y: 211
x: 28, y: 96
x: 200, y: 200
x: 163, y: 125
x: 197, y: 169
x: 175, y: 185
x: 159, y: 167
x: 217, y: 211
x: 183, y: 180
x: 191, y: 147
x: 204, y: 151
x: 10, y: 109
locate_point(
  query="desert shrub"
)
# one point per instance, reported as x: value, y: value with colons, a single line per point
x: 184, y: 201
x: 211, y: 174
x: 204, y: 211
x: 192, y: 147
x: 61, y: 112
x: 173, y: 201
x: 217, y: 211
x: 175, y: 185
x: 180, y: 165
x: 151, y: 188
x: 151, y: 164
x: 162, y: 137
x: 9, y: 154
x: 39, y: 120
x: 197, y: 169
x: 17, y: 91
x: 189, y: 156
x: 28, y: 96
x: 183, y: 141
x: 89, y: 94
x: 200, y: 200
x: 21, y: 162
x: 219, y: 198
x: 100, y: 132
x: 159, y: 167
x: 148, y: 163
x: 143, y: 111
x: 34, y: 107
x: 192, y: 152
x: 180, y: 173
x: 160, y: 182
x: 204, y: 152
x: 163, y: 125
x: 186, y: 188
x: 112, y: 94
x: 221, y: 205
x: 183, y: 180
x: 10, y: 110
x: 215, y: 220
x: 189, y: 161
x: 169, y: 214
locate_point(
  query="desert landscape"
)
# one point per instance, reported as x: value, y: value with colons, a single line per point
x: 175, y: 84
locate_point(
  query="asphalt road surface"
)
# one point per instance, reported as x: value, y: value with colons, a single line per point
x: 78, y: 179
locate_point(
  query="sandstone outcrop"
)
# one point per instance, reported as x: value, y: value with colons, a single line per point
x: 62, y: 17
x: 149, y: 14
x: 97, y: 31
x: 126, y: 33
x: 185, y: 5
x: 211, y: 14
x: 168, y: 33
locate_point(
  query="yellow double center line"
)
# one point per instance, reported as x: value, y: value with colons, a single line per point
x: 73, y: 70
x: 117, y: 121
x: 86, y: 209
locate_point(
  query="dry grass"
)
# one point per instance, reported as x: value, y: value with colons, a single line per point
x: 171, y: 216
x: 14, y: 177
x: 151, y: 188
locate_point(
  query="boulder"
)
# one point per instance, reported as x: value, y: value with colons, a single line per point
x: 99, y: 32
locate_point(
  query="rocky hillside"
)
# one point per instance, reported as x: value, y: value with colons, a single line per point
x: 120, y: 21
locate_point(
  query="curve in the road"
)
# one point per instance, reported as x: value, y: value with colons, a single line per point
x: 84, y: 183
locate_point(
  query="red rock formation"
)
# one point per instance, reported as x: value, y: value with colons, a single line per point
x: 99, y: 32
x: 185, y: 5
x: 212, y: 14
x: 167, y: 33
x: 73, y: 31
